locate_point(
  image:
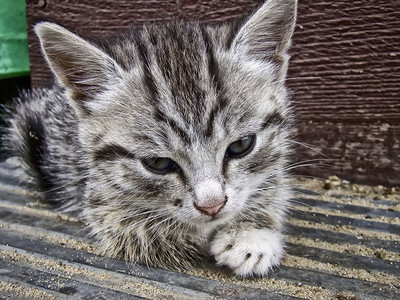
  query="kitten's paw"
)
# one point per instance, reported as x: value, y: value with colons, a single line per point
x: 248, y: 251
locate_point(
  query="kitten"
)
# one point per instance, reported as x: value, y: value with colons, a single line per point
x: 172, y: 144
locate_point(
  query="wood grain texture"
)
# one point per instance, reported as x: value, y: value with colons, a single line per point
x: 345, y: 79
x: 366, y: 152
x: 344, y: 74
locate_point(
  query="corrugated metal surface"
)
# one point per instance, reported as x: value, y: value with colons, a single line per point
x: 340, y: 246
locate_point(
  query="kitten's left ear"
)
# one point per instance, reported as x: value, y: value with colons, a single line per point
x: 81, y: 67
x: 266, y: 35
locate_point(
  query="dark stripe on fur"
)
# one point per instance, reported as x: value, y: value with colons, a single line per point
x: 33, y: 151
x: 160, y: 116
x: 233, y: 30
x: 214, y: 72
x: 33, y: 148
x: 273, y: 119
x: 262, y: 160
x: 112, y: 152
x: 212, y: 63
x: 148, y: 79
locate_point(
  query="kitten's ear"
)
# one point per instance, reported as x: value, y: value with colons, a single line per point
x: 266, y: 35
x: 79, y: 66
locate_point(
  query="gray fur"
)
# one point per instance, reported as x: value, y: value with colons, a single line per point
x: 180, y: 91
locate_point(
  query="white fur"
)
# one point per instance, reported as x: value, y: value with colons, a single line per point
x: 248, y: 251
x: 209, y: 193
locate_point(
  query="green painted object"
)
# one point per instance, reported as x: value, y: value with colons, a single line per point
x: 14, y: 59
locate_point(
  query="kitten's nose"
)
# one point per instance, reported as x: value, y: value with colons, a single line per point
x: 210, y: 211
x: 210, y: 197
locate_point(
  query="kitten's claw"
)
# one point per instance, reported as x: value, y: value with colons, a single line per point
x: 248, y: 251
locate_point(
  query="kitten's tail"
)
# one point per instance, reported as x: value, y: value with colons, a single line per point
x: 46, y: 150
x: 24, y: 138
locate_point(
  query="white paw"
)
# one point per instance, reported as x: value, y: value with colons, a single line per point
x: 248, y: 251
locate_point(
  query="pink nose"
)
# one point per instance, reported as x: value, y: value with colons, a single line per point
x: 210, y: 211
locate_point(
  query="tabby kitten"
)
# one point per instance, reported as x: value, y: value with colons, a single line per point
x: 171, y: 144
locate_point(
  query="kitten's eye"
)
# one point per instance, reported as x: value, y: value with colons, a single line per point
x: 241, y: 147
x: 160, y: 165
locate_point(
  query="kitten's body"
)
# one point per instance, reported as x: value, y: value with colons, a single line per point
x: 147, y: 139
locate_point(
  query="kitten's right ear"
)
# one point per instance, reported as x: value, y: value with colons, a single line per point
x: 82, y: 68
x: 266, y: 35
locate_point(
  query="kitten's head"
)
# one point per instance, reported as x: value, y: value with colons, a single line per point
x: 182, y: 120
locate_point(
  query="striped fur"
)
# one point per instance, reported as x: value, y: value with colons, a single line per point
x: 180, y: 91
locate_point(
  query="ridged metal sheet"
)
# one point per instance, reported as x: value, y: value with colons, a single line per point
x: 339, y: 246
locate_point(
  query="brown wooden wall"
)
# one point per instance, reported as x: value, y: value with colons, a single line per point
x: 344, y: 74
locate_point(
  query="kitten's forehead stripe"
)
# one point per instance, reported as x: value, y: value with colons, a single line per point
x: 148, y: 79
x: 185, y: 58
x: 212, y: 63
x: 160, y: 116
x: 179, y: 57
x: 214, y: 72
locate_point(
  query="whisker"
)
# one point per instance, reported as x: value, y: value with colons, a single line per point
x: 167, y: 228
x: 308, y: 146
x: 55, y: 189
